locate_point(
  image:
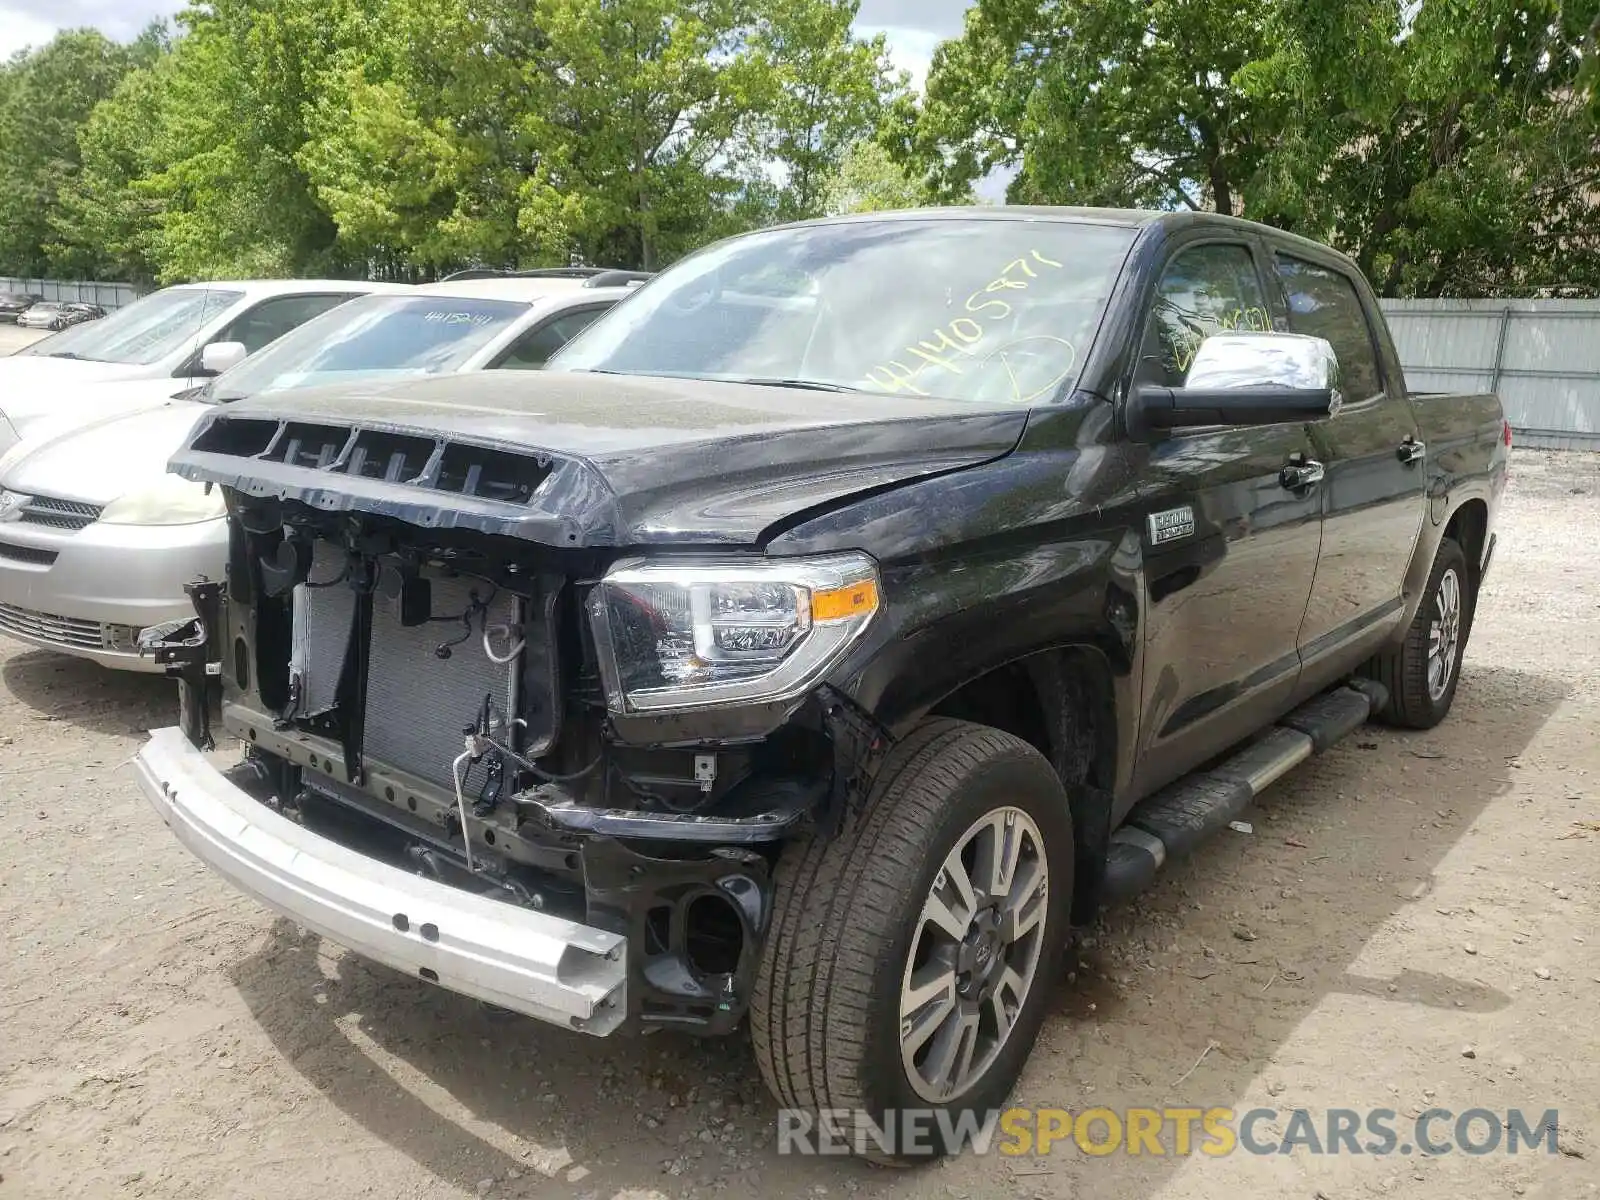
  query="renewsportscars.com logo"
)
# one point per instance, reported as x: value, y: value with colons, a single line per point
x: 1178, y: 1132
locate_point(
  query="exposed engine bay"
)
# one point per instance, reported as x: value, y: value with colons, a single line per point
x: 433, y: 697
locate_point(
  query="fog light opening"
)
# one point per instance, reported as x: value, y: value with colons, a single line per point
x: 713, y: 935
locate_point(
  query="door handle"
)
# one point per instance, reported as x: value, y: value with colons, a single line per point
x: 1303, y: 474
x: 1411, y: 450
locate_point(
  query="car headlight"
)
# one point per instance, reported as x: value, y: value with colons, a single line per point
x: 172, y: 500
x: 693, y: 634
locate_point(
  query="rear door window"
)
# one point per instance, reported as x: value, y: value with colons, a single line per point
x: 1323, y: 303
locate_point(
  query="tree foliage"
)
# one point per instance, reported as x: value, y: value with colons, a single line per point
x: 410, y: 136
x: 45, y: 98
x: 1451, y: 146
x: 869, y: 180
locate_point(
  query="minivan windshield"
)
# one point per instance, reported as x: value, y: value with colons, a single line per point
x: 995, y: 310
x: 372, y: 337
x: 143, y: 332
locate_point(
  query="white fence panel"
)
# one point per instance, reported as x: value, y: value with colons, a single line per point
x: 1541, y: 356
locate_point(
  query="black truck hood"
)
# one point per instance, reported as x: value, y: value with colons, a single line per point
x: 576, y: 459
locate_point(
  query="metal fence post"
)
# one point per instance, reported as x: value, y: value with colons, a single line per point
x: 1500, y: 350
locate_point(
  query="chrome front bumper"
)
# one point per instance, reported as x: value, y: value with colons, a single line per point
x: 532, y: 963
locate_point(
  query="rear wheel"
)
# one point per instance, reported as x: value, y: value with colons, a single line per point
x: 1422, y: 672
x: 912, y: 955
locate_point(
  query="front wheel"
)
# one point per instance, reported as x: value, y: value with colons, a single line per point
x: 1421, y: 674
x: 912, y: 955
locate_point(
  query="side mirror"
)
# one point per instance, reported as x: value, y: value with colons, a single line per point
x: 1244, y: 379
x: 217, y: 357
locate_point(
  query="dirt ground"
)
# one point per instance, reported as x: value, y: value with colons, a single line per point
x: 1401, y: 899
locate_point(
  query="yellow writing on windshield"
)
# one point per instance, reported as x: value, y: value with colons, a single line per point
x: 948, y: 345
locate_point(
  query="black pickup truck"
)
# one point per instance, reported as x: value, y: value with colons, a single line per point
x: 838, y: 622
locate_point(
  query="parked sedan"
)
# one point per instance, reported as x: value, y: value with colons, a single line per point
x: 14, y: 304
x: 97, y: 540
x: 56, y: 315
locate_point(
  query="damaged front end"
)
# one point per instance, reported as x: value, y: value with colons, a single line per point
x: 615, y: 749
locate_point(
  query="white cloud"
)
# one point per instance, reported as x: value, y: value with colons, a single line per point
x: 18, y: 31
x: 910, y: 50
x: 941, y: 18
x: 25, y: 23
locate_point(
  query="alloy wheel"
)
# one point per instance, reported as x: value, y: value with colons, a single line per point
x: 974, y: 954
x: 1444, y: 634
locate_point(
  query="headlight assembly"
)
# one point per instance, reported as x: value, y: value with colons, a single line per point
x: 694, y: 634
x: 171, y: 500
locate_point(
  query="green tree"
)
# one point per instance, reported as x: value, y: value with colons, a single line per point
x: 1447, y: 147
x: 103, y: 222
x: 821, y: 91
x: 1114, y: 102
x: 662, y: 123
x: 45, y: 96
x: 415, y: 145
x: 869, y: 180
x: 1450, y: 155
x: 634, y: 105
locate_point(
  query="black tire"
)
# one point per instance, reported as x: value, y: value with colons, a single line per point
x: 1404, y: 670
x: 825, y: 1013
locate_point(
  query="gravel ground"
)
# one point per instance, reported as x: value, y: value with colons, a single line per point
x: 1402, y: 899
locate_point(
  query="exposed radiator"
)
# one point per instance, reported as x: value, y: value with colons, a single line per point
x: 417, y: 703
x: 322, y: 627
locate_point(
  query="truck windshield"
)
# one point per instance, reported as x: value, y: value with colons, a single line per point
x: 982, y: 309
x: 143, y: 332
x: 372, y: 337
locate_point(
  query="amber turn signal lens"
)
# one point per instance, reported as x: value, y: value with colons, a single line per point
x: 835, y: 604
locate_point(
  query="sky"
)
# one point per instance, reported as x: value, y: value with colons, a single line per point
x: 29, y: 22
x: 914, y: 27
